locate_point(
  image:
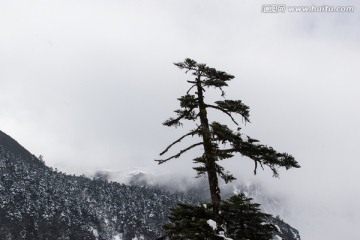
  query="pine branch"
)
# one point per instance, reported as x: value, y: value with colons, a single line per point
x: 192, y: 133
x: 188, y: 101
x: 176, y: 121
x: 224, y: 111
x: 188, y: 64
x: 179, y: 154
x: 223, y: 134
x: 263, y: 155
x: 226, y: 176
x: 235, y: 106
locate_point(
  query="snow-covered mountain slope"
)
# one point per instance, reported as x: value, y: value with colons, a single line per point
x: 37, y: 202
x: 197, y: 189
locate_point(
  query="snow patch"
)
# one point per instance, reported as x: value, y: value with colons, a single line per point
x: 95, y: 232
x: 221, y: 234
x: 118, y: 237
x: 278, y: 228
x: 212, y: 224
x: 139, y: 238
x: 244, y: 138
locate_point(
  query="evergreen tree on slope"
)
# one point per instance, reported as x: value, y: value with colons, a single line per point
x: 243, y: 221
x: 219, y: 142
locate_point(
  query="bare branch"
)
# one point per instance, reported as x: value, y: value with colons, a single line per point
x: 179, y: 154
x: 224, y: 111
x: 255, y: 167
x: 222, y: 92
x: 262, y: 166
x: 192, y: 133
x: 190, y: 88
x: 193, y: 82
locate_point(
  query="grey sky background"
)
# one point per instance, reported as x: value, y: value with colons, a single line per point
x: 87, y: 85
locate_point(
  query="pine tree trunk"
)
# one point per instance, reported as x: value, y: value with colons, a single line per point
x: 209, y: 156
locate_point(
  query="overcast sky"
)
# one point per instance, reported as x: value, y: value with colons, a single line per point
x: 87, y: 85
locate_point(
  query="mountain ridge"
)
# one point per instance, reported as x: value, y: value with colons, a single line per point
x: 16, y: 148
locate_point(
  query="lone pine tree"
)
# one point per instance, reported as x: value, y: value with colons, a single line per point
x: 218, y: 141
